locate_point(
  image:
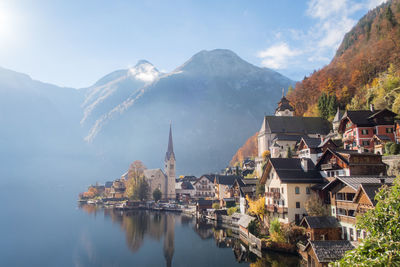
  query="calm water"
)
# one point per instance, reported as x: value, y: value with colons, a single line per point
x: 42, y: 225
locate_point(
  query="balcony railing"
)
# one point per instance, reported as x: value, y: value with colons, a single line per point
x: 276, y: 208
x: 329, y: 166
x: 274, y: 195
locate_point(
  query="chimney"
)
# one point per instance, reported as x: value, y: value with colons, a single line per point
x: 371, y: 107
x: 304, y: 164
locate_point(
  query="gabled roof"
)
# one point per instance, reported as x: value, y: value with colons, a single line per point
x: 320, y: 222
x: 354, y: 181
x: 290, y: 170
x: 210, y: 177
x: 329, y: 250
x: 151, y: 173
x: 311, y: 142
x: 364, y: 118
x: 284, y: 104
x: 245, y: 220
x: 297, y: 125
x: 227, y: 179
x: 381, y: 137
x: 370, y: 191
x: 187, y: 185
x: 338, y: 115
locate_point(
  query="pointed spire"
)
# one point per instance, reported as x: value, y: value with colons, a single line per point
x: 283, y: 92
x: 170, y: 151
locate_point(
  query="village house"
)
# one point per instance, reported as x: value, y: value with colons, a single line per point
x: 397, y: 131
x: 359, y: 126
x: 288, y: 183
x: 321, y: 228
x: 378, y: 143
x: 349, y: 162
x: 353, y: 195
x: 279, y: 134
x: 224, y: 188
x: 204, y: 186
x: 241, y: 189
x: 184, y: 190
x: 321, y: 253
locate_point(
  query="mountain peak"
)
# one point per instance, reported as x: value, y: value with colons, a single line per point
x: 143, y: 62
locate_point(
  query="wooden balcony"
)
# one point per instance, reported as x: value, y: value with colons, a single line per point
x: 274, y: 195
x: 276, y: 209
x: 346, y: 219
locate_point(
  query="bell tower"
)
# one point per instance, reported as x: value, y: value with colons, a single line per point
x: 170, y: 168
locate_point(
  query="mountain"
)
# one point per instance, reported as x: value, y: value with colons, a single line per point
x: 214, y: 100
x: 248, y: 150
x: 364, y: 54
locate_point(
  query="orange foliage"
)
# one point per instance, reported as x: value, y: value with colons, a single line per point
x: 249, y: 149
x: 367, y: 50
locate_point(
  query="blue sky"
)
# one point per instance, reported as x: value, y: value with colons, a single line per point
x: 74, y: 43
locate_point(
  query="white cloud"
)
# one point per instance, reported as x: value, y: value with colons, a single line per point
x: 374, y: 3
x: 277, y: 56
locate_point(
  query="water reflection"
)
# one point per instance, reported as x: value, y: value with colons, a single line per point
x: 141, y: 225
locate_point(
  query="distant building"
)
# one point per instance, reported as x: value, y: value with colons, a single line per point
x: 359, y: 126
x: 204, y: 186
x: 279, y: 134
x: 322, y: 228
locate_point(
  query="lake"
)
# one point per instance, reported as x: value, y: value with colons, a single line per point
x: 42, y: 225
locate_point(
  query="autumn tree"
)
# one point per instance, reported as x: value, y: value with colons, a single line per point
x: 257, y: 207
x: 316, y: 207
x: 137, y: 187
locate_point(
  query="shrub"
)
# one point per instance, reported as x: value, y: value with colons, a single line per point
x: 232, y: 210
x: 230, y: 204
x: 254, y: 228
x: 215, y: 206
x: 395, y: 149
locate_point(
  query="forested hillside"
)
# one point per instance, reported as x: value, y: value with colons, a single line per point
x: 364, y: 70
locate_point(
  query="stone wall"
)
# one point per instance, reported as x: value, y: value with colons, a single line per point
x: 393, y: 163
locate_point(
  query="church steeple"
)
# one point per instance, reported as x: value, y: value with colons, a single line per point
x: 170, y: 152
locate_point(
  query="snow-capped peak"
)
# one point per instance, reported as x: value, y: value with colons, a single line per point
x: 144, y: 71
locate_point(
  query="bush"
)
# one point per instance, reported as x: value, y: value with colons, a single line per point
x: 215, y: 206
x: 394, y: 149
x: 232, y: 210
x: 254, y: 228
x: 388, y: 146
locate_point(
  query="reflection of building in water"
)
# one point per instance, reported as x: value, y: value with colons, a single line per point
x: 204, y: 230
x: 169, y: 245
x: 222, y: 239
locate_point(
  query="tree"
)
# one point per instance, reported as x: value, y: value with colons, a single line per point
x: 257, y: 207
x: 381, y: 247
x: 275, y: 231
x: 327, y: 105
x: 157, y: 195
x: 137, y: 187
x: 260, y: 190
x: 316, y: 207
x: 232, y: 210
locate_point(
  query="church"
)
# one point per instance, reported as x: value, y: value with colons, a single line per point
x: 164, y: 180
x: 280, y: 133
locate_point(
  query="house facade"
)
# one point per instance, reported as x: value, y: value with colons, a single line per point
x: 359, y: 126
x: 288, y: 183
x: 204, y: 186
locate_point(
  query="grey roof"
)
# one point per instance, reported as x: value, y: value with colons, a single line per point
x: 250, y: 181
x: 288, y: 137
x: 321, y: 222
x: 383, y: 137
x: 371, y: 190
x: 355, y: 181
x: 312, y: 142
x: 290, y: 170
x: 150, y: 173
x: 210, y: 177
x: 330, y: 250
x: 108, y: 184
x: 245, y: 220
x: 297, y: 125
x: 187, y: 185
x: 227, y: 179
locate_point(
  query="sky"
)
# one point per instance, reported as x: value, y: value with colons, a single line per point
x: 74, y: 43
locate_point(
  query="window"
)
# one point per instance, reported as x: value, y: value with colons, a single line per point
x: 308, y: 190
x: 283, y: 202
x: 364, y: 131
x: 389, y: 130
x: 282, y: 190
x: 333, y: 210
x: 297, y: 190
x: 297, y: 205
x: 351, y: 234
x: 365, y: 143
